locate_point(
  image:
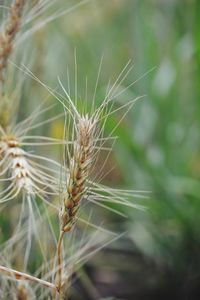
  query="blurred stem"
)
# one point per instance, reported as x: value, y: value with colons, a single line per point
x: 23, y: 276
x: 59, y: 265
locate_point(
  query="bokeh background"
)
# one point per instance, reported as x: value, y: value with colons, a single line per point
x: 158, y: 142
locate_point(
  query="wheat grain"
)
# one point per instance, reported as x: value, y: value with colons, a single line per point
x: 22, y: 292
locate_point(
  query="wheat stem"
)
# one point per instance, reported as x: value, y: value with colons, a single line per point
x: 23, y: 276
x: 59, y: 261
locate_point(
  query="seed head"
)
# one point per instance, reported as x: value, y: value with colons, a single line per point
x: 79, y: 169
x: 9, y: 32
x: 21, y: 172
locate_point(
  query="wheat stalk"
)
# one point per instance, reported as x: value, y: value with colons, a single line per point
x: 79, y: 169
x: 24, y: 276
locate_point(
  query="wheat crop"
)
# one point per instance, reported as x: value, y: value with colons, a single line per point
x: 53, y: 198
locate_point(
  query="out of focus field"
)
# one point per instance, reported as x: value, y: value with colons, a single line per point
x: 158, y: 145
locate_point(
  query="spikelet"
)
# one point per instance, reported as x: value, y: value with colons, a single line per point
x: 22, y: 293
x: 79, y: 169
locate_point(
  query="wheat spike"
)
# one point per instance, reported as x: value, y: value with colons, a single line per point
x: 8, y: 34
x: 23, y: 173
x: 79, y: 169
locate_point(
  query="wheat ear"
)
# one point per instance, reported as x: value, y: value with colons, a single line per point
x: 79, y: 169
x: 23, y: 174
x: 7, y: 37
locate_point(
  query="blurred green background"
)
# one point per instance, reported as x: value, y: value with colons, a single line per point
x: 158, y: 146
